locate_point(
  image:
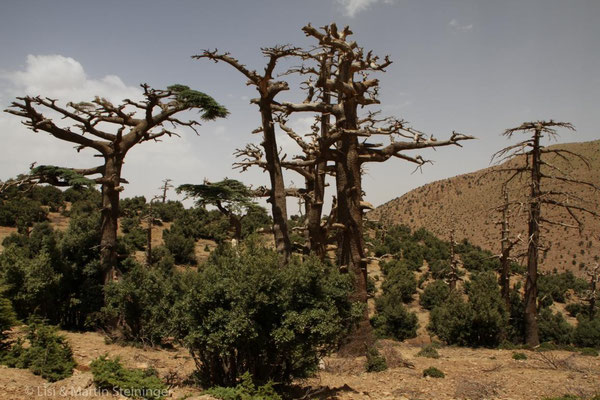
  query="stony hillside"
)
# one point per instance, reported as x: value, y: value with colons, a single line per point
x: 467, y: 203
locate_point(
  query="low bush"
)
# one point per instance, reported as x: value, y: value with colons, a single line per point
x: 554, y: 328
x: 245, y: 390
x: 400, y: 282
x: 519, y: 356
x: 434, y: 294
x: 574, y: 309
x: 142, y: 303
x: 393, y: 320
x: 7, y: 318
x: 48, y: 354
x: 553, y: 287
x: 588, y: 351
x: 181, y: 246
x: 109, y: 374
x: 371, y: 287
x: 587, y: 333
x: 433, y: 372
x: 480, y: 321
x: 429, y: 351
x: 244, y: 313
x: 375, y: 361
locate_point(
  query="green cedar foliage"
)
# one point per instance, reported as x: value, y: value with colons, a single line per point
x: 193, y: 98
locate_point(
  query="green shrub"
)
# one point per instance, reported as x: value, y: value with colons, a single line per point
x: 245, y: 390
x: 554, y: 328
x: 142, y: 301
x: 574, y: 309
x: 181, y: 246
x: 375, y: 361
x: 434, y: 294
x: 433, y: 372
x: 393, y: 320
x: 168, y: 211
x: 587, y: 333
x: 553, y: 287
x: 429, y: 351
x: 479, y: 322
x: 256, y: 218
x: 588, y: 351
x: 7, y: 317
x: 48, y: 354
x: 451, y: 322
x: 476, y: 259
x: 109, y: 374
x: 519, y: 356
x: 400, y: 282
x: 82, y: 193
x: 55, y: 275
x: 371, y: 288
x: 244, y: 312
x: 439, y: 269
x: 21, y: 212
x: 132, y: 206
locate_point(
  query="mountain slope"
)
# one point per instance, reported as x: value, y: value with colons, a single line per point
x: 467, y: 203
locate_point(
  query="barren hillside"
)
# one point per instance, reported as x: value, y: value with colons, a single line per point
x: 467, y: 203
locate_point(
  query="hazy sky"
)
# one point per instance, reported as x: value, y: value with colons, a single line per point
x: 477, y: 67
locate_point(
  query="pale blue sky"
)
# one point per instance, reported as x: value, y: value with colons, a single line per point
x: 477, y: 67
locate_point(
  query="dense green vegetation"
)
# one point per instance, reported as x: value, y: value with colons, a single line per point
x: 246, y: 321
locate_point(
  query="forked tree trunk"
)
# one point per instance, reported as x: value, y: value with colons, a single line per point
x: 531, y: 290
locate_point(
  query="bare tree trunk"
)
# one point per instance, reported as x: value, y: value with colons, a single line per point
x: 317, y: 234
x: 505, y: 255
x: 278, y: 195
x: 350, y: 214
x: 531, y: 290
x: 109, y: 218
x: 149, y: 235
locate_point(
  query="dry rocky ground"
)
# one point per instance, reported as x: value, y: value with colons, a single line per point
x: 470, y: 374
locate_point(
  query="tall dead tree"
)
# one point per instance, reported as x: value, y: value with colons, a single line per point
x: 165, y: 187
x: 130, y: 123
x: 348, y: 83
x: 268, y: 88
x: 592, y: 294
x: 336, y: 78
x: 536, y: 169
x: 507, y: 244
x: 453, y: 276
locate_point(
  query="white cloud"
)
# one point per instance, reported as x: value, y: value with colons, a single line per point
x: 64, y: 78
x: 454, y: 24
x: 353, y: 7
